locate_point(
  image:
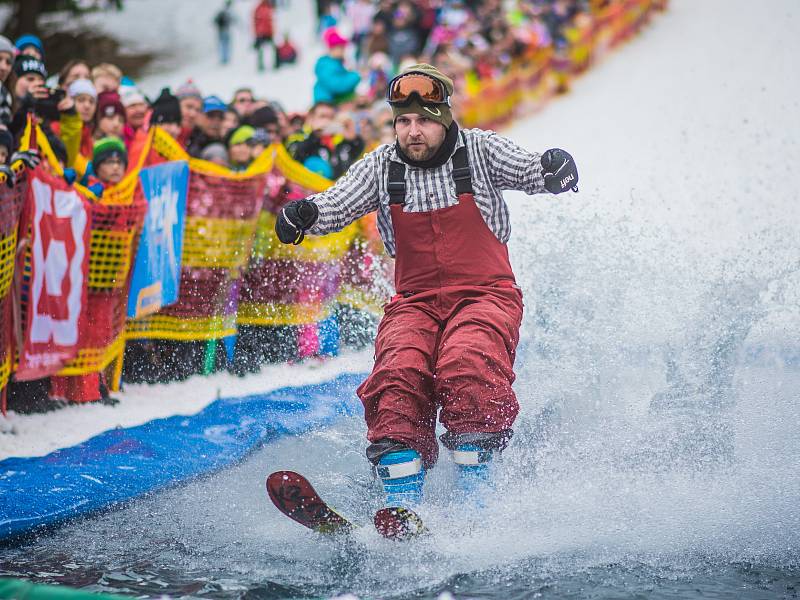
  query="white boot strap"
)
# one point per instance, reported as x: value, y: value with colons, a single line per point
x: 399, y: 470
x: 471, y: 457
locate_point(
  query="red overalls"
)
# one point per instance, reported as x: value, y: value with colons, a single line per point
x: 448, y: 338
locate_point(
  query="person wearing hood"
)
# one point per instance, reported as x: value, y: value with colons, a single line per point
x: 335, y: 83
x: 447, y: 340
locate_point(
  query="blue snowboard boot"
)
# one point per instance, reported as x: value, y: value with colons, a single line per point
x: 474, y: 477
x: 402, y: 475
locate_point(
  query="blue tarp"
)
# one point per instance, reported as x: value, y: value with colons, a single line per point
x: 121, y: 464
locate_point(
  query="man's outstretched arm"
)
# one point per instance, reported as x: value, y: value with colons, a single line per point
x: 511, y: 167
x: 353, y: 195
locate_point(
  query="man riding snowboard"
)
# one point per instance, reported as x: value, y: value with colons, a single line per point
x: 448, y: 337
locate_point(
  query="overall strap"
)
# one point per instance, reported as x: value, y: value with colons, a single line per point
x: 397, y: 183
x: 461, y: 173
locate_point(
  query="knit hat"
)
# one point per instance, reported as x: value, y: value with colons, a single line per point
x: 29, y: 40
x: 28, y: 64
x: 82, y: 87
x: 109, y: 104
x: 332, y: 38
x: 262, y: 117
x: 241, y: 135
x: 106, y: 148
x: 7, y: 47
x: 6, y: 140
x: 188, y: 90
x: 436, y: 112
x: 131, y: 95
x: 215, y: 151
x: 166, y: 109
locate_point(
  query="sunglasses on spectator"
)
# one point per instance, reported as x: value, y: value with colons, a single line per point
x: 426, y: 88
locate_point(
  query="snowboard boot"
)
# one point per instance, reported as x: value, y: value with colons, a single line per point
x: 473, y: 479
x: 402, y: 475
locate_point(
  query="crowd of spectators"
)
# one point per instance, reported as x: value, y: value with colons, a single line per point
x: 85, y: 108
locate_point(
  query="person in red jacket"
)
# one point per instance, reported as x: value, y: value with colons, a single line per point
x: 263, y: 28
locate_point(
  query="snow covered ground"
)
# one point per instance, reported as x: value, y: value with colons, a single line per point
x: 182, y: 36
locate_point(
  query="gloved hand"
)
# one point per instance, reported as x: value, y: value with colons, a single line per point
x: 70, y: 175
x: 294, y: 220
x: 11, y: 179
x: 96, y: 189
x: 559, y: 171
x: 30, y: 158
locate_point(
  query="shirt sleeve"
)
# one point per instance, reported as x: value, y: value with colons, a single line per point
x: 354, y: 195
x: 511, y: 167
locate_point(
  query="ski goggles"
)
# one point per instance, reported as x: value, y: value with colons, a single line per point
x: 426, y: 88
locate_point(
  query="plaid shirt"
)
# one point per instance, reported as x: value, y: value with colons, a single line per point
x: 496, y: 164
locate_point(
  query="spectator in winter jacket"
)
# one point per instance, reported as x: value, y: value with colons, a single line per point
x: 30, y: 45
x: 335, y: 83
x: 285, y: 52
x: 404, y: 39
x: 263, y: 30
x: 239, y: 152
x: 110, y: 116
x: 106, y: 78
x: 72, y: 71
x: 167, y: 113
x: 109, y: 160
x: 230, y: 121
x: 209, y: 126
x: 135, y: 112
x: 223, y: 21
x: 244, y: 102
x: 7, y: 54
x: 191, y: 107
x: 6, y: 146
x: 31, y: 94
x: 85, y: 96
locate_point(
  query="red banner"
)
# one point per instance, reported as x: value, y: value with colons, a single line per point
x: 57, y: 223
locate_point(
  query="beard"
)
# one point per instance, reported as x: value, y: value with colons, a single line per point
x: 419, y: 152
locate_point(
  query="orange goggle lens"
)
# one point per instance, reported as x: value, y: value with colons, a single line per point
x: 427, y: 88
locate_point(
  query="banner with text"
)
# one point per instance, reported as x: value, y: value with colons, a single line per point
x: 156, y: 273
x: 57, y: 221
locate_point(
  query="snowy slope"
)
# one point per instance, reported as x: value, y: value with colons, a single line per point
x: 182, y: 35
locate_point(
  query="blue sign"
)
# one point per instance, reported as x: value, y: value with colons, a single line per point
x: 157, y: 271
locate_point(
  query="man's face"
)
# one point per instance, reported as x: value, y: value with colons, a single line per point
x: 419, y: 137
x: 321, y: 118
x: 110, y: 171
x: 190, y: 109
x: 211, y: 123
x: 135, y: 114
x: 243, y: 103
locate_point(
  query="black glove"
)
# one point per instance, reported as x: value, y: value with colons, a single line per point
x: 30, y: 158
x: 294, y: 220
x: 11, y: 179
x: 559, y: 171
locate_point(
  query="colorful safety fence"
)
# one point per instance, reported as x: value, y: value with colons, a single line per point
x: 233, y: 274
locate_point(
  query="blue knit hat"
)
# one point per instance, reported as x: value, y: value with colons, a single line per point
x: 29, y: 40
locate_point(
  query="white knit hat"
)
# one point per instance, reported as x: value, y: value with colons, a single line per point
x: 82, y: 86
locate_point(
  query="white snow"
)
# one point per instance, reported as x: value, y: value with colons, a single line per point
x: 40, y: 434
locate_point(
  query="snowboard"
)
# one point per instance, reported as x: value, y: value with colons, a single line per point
x: 294, y: 496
